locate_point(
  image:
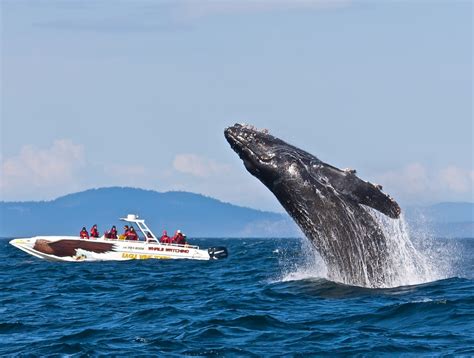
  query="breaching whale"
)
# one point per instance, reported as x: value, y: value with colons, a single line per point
x: 330, y: 205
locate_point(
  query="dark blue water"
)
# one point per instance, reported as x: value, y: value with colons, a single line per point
x: 235, y: 307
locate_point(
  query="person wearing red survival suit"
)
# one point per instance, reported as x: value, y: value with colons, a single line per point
x: 126, y: 229
x: 165, y: 239
x: 84, y: 234
x: 177, y: 238
x: 94, y: 231
x: 113, y: 233
x: 181, y: 239
x: 132, y: 234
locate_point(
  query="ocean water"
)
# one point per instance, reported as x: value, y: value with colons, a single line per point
x: 269, y: 298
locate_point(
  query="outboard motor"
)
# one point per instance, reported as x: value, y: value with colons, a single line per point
x: 218, y: 252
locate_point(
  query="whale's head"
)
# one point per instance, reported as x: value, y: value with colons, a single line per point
x: 263, y: 155
x: 290, y: 172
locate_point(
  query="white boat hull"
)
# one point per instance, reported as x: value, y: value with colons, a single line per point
x: 73, y: 249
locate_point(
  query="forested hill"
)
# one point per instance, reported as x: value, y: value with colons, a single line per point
x: 195, y: 214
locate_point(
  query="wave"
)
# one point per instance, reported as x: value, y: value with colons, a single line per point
x: 263, y: 301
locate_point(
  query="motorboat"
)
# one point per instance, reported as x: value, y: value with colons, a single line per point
x: 148, y: 246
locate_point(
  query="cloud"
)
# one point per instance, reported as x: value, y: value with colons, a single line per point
x: 457, y: 179
x: 198, y: 166
x: 415, y: 182
x: 413, y: 178
x: 35, y: 169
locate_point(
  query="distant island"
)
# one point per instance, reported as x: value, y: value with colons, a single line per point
x: 195, y: 214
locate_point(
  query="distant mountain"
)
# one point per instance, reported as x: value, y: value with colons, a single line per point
x: 195, y: 214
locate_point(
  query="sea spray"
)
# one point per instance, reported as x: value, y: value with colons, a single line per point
x: 413, y: 257
x: 442, y: 254
x: 406, y: 265
x: 302, y: 263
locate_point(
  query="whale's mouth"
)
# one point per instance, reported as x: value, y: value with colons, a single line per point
x: 241, y: 147
x: 240, y: 141
x: 235, y: 142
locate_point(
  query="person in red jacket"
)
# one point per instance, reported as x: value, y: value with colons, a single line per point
x: 165, y: 239
x: 132, y: 234
x: 181, y: 239
x: 113, y: 233
x: 84, y: 234
x: 126, y: 229
x: 177, y: 238
x: 94, y: 231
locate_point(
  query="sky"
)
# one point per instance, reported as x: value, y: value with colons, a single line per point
x: 138, y: 93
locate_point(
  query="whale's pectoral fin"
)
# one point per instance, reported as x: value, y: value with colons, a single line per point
x: 360, y: 191
x: 371, y: 195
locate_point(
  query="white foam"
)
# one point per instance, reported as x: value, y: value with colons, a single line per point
x: 410, y: 265
x: 307, y: 265
x: 411, y: 262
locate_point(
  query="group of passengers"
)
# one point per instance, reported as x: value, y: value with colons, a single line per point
x: 94, y: 232
x: 130, y: 234
x: 178, y: 238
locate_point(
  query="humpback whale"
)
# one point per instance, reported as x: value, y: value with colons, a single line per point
x: 333, y: 207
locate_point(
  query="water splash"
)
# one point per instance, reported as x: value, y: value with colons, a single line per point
x: 415, y: 257
x: 407, y: 265
x: 302, y: 263
x: 442, y: 254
